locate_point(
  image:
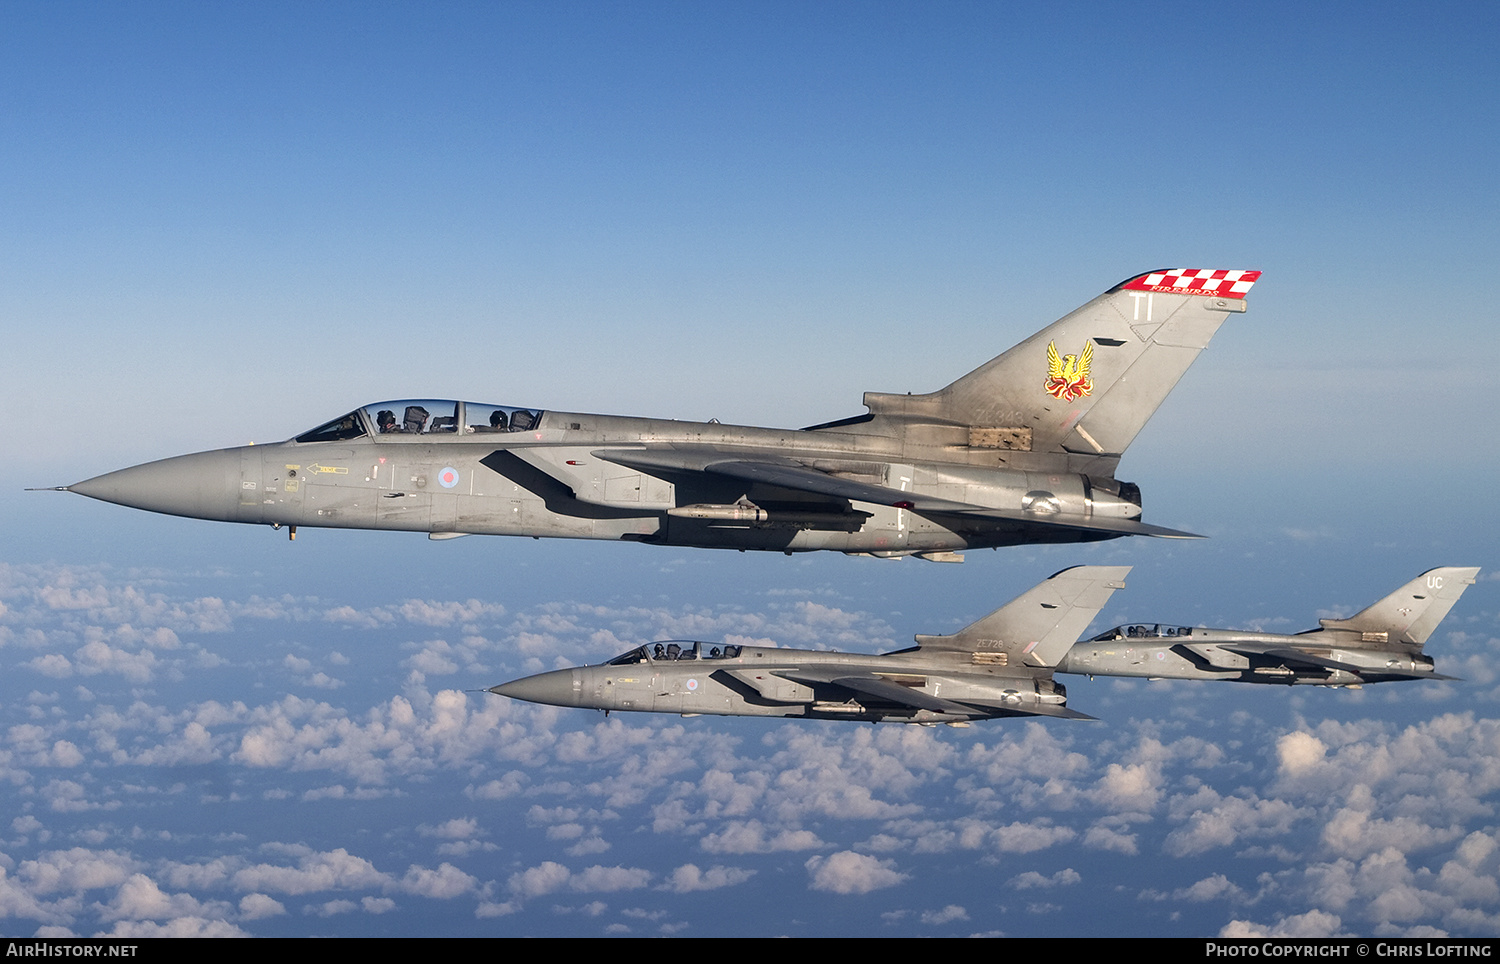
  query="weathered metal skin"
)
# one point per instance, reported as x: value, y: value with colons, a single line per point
x: 764, y: 682
x: 1021, y: 450
x: 1382, y: 643
x: 393, y: 484
x: 999, y: 666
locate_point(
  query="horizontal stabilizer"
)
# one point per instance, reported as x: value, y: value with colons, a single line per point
x: 1036, y: 709
x: 1124, y: 527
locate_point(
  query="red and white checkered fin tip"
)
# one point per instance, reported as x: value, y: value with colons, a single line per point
x: 1220, y: 282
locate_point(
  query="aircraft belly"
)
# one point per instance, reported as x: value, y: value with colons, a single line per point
x: 536, y: 520
x: 493, y: 514
x: 333, y: 492
x: 404, y: 510
x: 444, y: 513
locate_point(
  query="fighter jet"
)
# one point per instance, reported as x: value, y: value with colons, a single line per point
x: 1000, y: 666
x: 1376, y: 645
x: 1021, y: 450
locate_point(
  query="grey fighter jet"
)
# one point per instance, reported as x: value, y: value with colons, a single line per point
x: 1021, y: 450
x: 999, y: 666
x: 1379, y: 644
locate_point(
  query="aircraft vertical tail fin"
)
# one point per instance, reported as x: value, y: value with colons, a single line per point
x: 1038, y: 627
x: 1411, y: 613
x: 1087, y: 383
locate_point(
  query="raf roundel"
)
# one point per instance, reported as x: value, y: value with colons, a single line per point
x: 448, y: 477
x: 692, y: 685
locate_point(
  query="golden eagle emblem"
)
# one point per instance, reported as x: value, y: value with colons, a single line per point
x: 1068, y: 376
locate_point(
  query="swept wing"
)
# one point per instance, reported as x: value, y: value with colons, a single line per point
x: 889, y: 691
x: 790, y: 474
x: 1288, y: 654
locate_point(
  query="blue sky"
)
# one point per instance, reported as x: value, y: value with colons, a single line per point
x: 226, y: 224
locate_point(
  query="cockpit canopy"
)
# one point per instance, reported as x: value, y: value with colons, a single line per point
x: 1143, y: 631
x: 424, y: 416
x: 674, y: 650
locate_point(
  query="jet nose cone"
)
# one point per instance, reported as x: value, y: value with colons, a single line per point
x: 201, y: 486
x: 557, y: 688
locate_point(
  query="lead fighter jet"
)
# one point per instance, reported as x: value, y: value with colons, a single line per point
x: 1021, y: 450
x: 1000, y: 666
x: 1381, y: 643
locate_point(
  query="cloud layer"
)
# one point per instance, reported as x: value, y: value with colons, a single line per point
x: 198, y: 776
